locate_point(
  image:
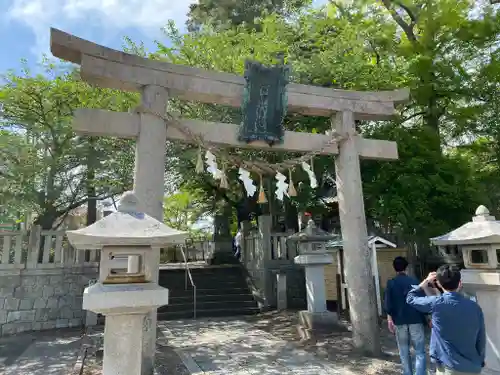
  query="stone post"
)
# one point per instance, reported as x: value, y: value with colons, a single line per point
x: 316, y: 316
x: 281, y: 290
x: 264, y: 254
x: 358, y: 272
x: 484, y: 286
x: 245, y: 229
x: 121, y: 333
x: 149, y: 187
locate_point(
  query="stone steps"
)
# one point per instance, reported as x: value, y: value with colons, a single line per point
x: 218, y: 304
x: 220, y: 291
x: 200, y: 298
x: 211, y: 313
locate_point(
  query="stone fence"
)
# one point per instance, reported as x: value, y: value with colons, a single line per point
x: 42, y: 279
x: 265, y: 255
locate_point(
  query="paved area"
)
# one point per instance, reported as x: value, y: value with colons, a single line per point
x: 218, y: 348
x: 41, y: 353
x: 263, y: 345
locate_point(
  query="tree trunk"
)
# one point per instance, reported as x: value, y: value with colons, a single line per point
x: 47, y: 219
x: 291, y: 217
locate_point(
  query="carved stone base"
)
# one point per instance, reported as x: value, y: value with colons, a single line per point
x: 315, y: 321
x: 314, y: 324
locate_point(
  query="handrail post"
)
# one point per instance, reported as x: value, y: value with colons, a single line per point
x: 187, y: 274
x: 194, y: 301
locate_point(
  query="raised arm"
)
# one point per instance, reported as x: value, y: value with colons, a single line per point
x: 418, y: 299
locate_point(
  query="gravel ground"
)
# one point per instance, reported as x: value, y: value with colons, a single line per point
x: 335, y: 347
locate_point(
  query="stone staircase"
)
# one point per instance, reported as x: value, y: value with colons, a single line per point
x: 220, y: 291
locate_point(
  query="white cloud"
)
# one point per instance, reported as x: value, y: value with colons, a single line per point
x: 109, y: 17
x: 147, y: 16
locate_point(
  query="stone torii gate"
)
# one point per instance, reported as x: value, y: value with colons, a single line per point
x: 158, y: 81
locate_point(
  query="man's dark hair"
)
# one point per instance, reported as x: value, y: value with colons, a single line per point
x: 400, y: 264
x: 449, y: 276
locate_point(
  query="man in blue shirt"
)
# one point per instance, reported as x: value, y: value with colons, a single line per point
x: 458, y: 338
x: 405, y: 321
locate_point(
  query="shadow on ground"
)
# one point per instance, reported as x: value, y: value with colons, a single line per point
x: 335, y: 347
x: 40, y: 353
x: 269, y: 344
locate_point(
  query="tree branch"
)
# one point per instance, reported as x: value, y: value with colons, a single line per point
x: 408, y: 11
x: 81, y: 202
x: 413, y: 116
x: 407, y: 28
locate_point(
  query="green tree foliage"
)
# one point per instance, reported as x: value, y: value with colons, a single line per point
x: 447, y: 46
x: 446, y: 52
x: 425, y: 192
x: 230, y: 13
x: 182, y: 210
x: 45, y: 164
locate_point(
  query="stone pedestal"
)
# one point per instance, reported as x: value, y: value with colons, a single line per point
x: 484, y: 285
x: 123, y: 337
x: 316, y: 316
x: 126, y: 307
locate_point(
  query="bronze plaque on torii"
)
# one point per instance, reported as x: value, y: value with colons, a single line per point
x: 264, y: 103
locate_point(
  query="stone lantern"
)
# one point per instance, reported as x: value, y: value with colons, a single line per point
x: 479, y: 242
x: 314, y: 257
x: 126, y: 297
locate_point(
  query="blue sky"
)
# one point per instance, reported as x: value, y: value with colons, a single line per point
x: 25, y: 24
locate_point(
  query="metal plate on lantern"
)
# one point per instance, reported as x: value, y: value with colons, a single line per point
x: 264, y: 103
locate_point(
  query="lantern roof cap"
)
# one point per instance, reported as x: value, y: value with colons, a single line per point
x: 311, y: 233
x: 483, y: 229
x: 126, y: 227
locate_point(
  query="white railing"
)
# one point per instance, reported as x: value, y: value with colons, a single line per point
x: 199, y: 250
x: 194, y: 251
x: 41, y: 249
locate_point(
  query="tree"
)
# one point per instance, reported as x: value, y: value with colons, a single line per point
x: 182, y: 210
x: 424, y: 193
x: 233, y: 46
x: 18, y: 161
x: 230, y: 13
x: 446, y: 44
x: 50, y: 173
x: 362, y: 47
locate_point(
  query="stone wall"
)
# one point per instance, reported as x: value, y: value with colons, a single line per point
x: 43, y: 298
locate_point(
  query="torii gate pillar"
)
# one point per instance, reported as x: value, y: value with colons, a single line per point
x: 357, y: 256
x: 149, y: 187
